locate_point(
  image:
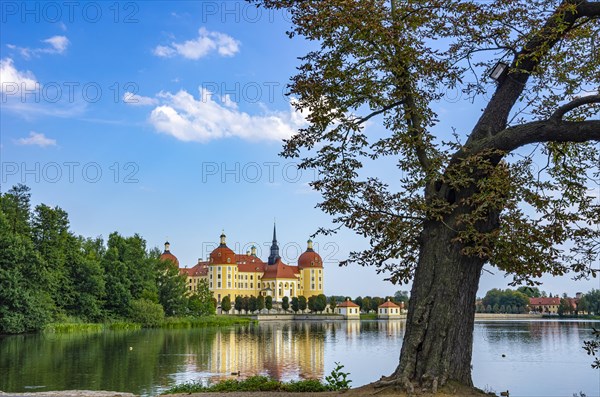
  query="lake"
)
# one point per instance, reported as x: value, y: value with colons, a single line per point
x: 542, y: 358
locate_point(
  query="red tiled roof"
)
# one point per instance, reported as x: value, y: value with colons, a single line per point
x: 310, y: 258
x: 168, y: 256
x: 388, y: 304
x: 251, y: 267
x: 199, y: 270
x: 249, y: 263
x: 280, y: 270
x: 221, y: 255
x: 348, y: 304
x: 544, y: 301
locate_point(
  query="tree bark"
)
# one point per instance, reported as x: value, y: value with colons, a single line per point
x: 438, y: 343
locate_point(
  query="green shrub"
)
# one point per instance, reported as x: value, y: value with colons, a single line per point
x: 147, y: 313
x: 338, y: 380
x: 253, y: 383
x: 305, y: 386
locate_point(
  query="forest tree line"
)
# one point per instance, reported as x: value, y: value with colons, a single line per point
x: 49, y: 274
x: 517, y: 301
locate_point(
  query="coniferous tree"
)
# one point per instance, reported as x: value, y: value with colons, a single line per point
x: 295, y: 304
x: 269, y: 302
x: 25, y: 304
x: 226, y: 304
x: 302, y: 303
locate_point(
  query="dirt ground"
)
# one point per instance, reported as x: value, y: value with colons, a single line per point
x: 368, y: 390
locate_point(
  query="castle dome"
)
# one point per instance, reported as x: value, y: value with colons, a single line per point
x: 168, y: 256
x: 222, y: 254
x: 310, y: 258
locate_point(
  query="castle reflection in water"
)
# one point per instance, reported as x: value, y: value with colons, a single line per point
x: 284, y: 351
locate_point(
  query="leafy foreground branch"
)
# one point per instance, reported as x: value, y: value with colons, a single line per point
x: 592, y: 347
x: 337, y: 380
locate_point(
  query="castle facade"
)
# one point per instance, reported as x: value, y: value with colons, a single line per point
x: 228, y: 273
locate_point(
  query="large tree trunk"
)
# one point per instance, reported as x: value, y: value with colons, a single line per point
x: 441, y: 313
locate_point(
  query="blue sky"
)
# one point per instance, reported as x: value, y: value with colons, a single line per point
x: 166, y: 119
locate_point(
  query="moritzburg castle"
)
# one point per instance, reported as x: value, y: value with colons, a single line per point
x: 236, y: 275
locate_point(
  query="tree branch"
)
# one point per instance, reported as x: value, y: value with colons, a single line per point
x: 586, y: 100
x: 543, y: 131
x: 495, y: 116
x: 361, y: 120
x: 589, y: 9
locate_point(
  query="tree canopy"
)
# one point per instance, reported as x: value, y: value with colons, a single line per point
x: 391, y: 64
x: 47, y: 273
x: 509, y: 184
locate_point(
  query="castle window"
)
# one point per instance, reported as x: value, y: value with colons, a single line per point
x: 252, y: 285
x: 219, y: 275
x: 210, y: 286
x: 229, y: 284
x: 312, y: 286
x: 246, y: 285
x: 219, y: 284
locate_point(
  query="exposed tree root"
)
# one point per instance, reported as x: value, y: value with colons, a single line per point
x: 402, y: 383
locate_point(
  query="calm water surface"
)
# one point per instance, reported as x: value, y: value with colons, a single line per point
x: 542, y: 358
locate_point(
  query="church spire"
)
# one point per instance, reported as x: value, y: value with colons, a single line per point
x: 274, y: 248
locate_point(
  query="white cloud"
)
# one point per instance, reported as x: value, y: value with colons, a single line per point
x: 204, y: 44
x: 138, y: 100
x: 37, y: 139
x: 13, y: 81
x: 228, y: 102
x: 21, y: 93
x: 58, y: 45
x: 163, y: 51
x: 188, y: 119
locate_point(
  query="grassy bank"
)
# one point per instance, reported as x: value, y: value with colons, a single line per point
x: 576, y: 317
x: 336, y: 381
x: 252, y: 384
x: 208, y: 321
x: 368, y: 316
x: 169, y: 323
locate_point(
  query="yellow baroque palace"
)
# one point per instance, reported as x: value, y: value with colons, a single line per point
x: 236, y: 275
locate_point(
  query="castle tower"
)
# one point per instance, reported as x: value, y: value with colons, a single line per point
x: 274, y: 248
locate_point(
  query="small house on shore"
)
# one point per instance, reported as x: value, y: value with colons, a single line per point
x: 388, y: 311
x: 348, y: 309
